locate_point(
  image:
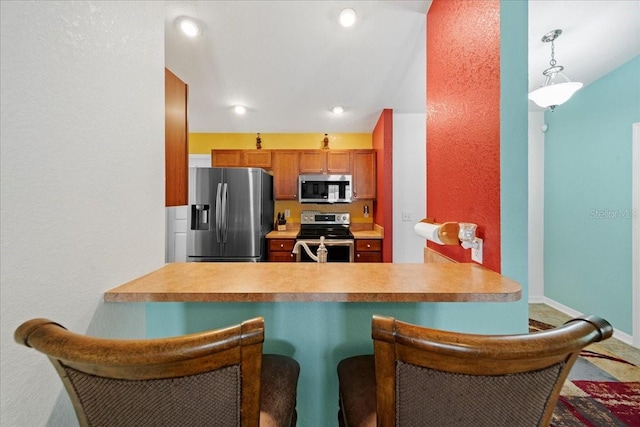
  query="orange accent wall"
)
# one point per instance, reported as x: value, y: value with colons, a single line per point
x: 382, y: 143
x: 463, y: 121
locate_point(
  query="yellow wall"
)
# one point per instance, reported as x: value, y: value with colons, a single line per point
x: 356, y: 209
x: 203, y: 143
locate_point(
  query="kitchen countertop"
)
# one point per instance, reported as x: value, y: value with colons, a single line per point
x: 287, y: 234
x: 312, y: 282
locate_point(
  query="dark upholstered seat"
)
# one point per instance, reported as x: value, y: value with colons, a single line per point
x: 419, y: 376
x: 214, y: 378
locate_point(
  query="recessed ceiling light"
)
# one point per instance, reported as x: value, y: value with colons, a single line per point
x: 189, y: 27
x: 338, y: 109
x: 239, y: 109
x: 347, y: 17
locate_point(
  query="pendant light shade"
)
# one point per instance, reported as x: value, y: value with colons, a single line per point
x: 554, y: 94
x: 557, y: 88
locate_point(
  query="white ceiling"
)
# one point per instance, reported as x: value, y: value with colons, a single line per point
x: 289, y: 62
x: 597, y: 37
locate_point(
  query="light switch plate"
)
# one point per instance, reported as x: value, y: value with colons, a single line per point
x: 476, y: 254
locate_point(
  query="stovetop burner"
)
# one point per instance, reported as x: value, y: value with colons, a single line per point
x: 329, y: 232
x: 332, y: 225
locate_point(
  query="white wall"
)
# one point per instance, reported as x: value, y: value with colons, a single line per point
x: 82, y: 171
x: 536, y: 207
x: 409, y: 182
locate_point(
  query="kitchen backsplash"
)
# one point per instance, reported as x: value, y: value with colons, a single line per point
x: 356, y: 209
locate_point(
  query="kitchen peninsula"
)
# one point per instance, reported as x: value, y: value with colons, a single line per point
x: 320, y: 313
x: 313, y: 282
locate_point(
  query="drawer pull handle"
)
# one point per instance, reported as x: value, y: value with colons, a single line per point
x: 368, y: 245
x: 282, y: 245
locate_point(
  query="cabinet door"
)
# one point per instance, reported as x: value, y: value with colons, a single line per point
x: 363, y: 169
x: 338, y: 162
x: 313, y: 161
x: 226, y: 158
x: 257, y: 159
x: 285, y: 174
x: 176, y: 140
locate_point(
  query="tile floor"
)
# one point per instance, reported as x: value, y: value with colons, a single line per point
x: 547, y: 314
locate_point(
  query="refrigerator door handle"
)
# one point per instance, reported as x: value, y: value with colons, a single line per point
x: 218, y: 212
x: 225, y: 212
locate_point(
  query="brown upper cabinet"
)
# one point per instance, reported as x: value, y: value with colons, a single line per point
x: 285, y: 166
x: 363, y: 170
x: 325, y: 162
x: 176, y: 140
x: 241, y: 158
x: 288, y: 164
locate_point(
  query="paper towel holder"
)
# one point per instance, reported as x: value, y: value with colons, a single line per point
x: 467, y: 235
x: 447, y: 232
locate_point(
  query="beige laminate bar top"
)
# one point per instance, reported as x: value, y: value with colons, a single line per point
x: 312, y: 282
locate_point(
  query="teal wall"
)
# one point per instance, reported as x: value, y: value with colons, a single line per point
x: 319, y: 334
x: 514, y: 124
x: 587, y: 192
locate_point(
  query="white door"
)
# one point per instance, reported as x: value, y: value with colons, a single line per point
x: 176, y: 241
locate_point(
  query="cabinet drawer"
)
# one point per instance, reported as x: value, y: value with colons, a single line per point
x: 368, y: 257
x: 371, y: 245
x: 285, y: 245
x: 281, y: 256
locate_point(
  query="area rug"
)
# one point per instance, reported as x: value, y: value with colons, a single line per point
x: 602, y: 390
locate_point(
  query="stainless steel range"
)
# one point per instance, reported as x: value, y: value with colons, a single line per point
x: 334, y: 226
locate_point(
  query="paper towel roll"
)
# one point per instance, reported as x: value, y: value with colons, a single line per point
x: 428, y: 231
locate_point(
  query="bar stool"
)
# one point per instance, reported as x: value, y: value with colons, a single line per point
x: 419, y: 376
x: 217, y: 377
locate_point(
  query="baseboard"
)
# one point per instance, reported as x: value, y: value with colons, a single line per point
x: 537, y: 300
x: 619, y: 335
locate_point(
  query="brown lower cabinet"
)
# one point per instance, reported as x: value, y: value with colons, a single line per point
x: 368, y: 250
x: 280, y: 250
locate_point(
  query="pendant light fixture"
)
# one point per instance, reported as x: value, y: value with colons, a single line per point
x: 557, y: 88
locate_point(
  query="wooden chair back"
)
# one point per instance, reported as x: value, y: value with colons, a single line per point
x: 202, y: 379
x: 433, y: 377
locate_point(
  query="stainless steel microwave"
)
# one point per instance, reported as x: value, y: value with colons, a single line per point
x: 324, y: 188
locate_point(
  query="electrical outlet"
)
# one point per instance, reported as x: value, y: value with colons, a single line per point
x: 406, y: 216
x: 287, y: 213
x: 476, y: 254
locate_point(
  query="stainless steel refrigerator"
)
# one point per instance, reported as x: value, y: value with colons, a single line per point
x: 230, y: 213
